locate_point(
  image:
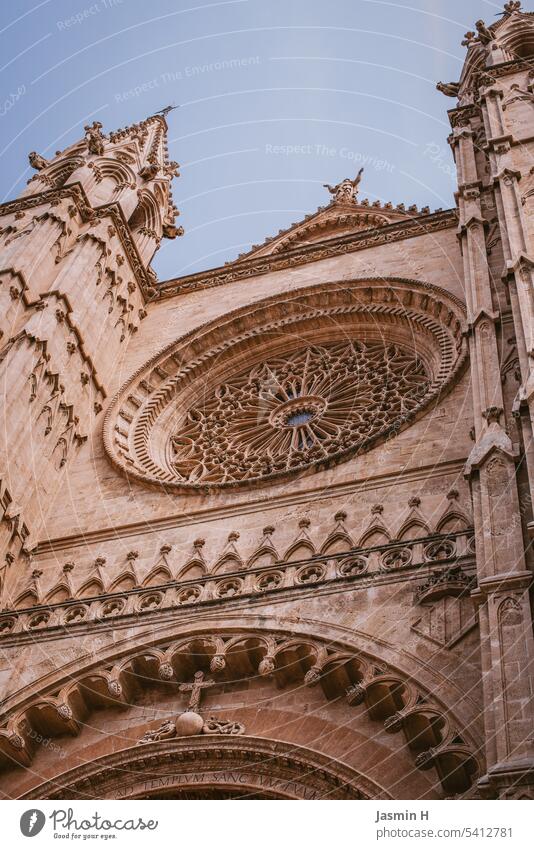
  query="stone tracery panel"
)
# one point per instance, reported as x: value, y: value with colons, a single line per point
x: 291, y: 411
x: 294, y: 383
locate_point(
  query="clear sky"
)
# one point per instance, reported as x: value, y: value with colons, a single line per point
x: 276, y: 98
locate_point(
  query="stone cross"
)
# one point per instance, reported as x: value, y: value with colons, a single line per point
x: 165, y: 111
x: 196, y: 690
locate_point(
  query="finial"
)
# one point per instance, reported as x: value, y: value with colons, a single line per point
x: 94, y: 138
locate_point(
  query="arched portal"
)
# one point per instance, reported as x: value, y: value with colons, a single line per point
x: 264, y: 700
x: 248, y: 767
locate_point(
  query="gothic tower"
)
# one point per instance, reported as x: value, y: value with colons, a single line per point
x: 493, y: 152
x: 273, y: 517
x: 76, y: 250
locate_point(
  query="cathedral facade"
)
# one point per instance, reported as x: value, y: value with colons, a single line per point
x: 264, y: 529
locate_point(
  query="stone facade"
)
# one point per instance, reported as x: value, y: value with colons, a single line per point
x: 264, y: 529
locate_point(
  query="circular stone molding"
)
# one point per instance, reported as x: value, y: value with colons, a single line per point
x: 190, y: 764
x: 294, y: 383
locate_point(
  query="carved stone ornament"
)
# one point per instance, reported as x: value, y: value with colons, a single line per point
x: 347, y: 190
x: 189, y: 724
x: 331, y: 372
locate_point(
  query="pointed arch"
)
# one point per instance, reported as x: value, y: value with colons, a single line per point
x: 376, y: 535
x: 93, y: 587
x: 517, y: 38
x: 159, y: 575
x: 290, y: 660
x: 301, y: 549
x: 195, y: 568
x: 146, y: 224
x: 115, y: 170
x: 61, y: 171
x: 160, y: 193
x: 266, y: 555
x: 337, y: 542
x: 413, y: 528
x: 228, y: 563
x: 61, y: 592
x: 453, y: 521
x: 124, y: 582
x: 146, y: 214
x: 26, y: 599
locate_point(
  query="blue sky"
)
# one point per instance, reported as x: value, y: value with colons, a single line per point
x: 276, y: 98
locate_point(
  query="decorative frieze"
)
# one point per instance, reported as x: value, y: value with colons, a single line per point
x: 355, y: 568
x: 254, y: 267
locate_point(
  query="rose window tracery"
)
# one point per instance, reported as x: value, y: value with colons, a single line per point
x: 298, y: 381
x: 295, y: 410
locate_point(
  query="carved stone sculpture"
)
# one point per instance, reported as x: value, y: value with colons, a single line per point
x: 166, y: 729
x: 485, y: 35
x: 448, y: 89
x: 37, y: 161
x: 149, y: 171
x: 94, y: 138
x: 346, y: 190
x: 222, y: 726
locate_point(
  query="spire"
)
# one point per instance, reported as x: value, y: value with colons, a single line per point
x: 129, y: 167
x: 507, y: 39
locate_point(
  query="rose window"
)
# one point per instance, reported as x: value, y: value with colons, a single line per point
x: 295, y: 410
x: 299, y: 381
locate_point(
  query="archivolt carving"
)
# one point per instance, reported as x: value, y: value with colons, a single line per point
x: 330, y: 372
x: 229, y: 767
x: 389, y: 696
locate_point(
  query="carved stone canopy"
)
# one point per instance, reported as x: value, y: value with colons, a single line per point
x: 330, y: 372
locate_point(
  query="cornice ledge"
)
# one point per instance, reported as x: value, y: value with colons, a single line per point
x: 460, y: 132
x: 463, y: 113
x: 499, y: 140
x: 505, y: 172
x: 510, y: 67
x: 472, y: 221
x: 145, y: 277
x: 505, y: 581
x: 304, y: 254
x: 85, y: 536
x: 74, y: 191
x: 239, y: 752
